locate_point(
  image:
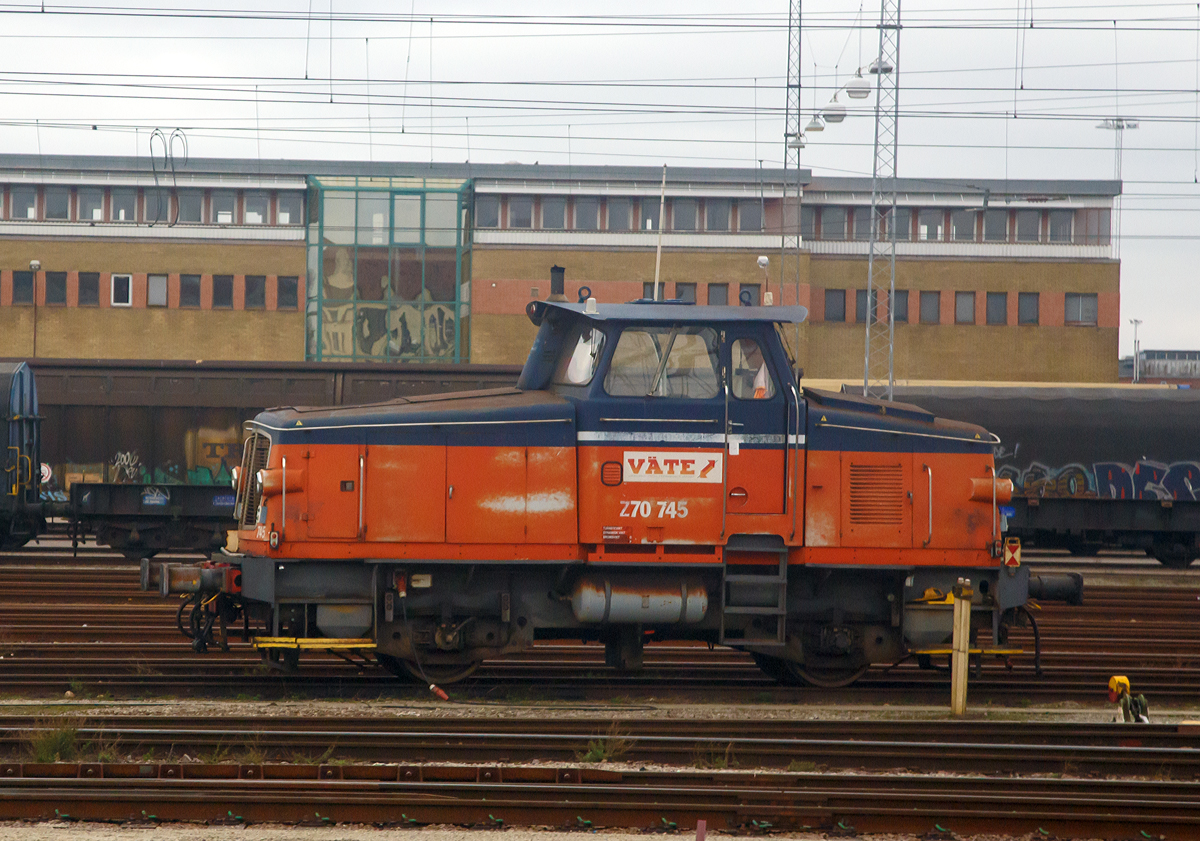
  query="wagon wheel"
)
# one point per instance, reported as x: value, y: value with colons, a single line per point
x: 440, y: 673
x: 796, y: 674
x: 1173, y: 555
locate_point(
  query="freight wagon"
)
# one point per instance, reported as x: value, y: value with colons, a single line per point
x: 1091, y: 467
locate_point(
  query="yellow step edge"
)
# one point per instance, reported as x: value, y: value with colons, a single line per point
x: 969, y: 651
x: 314, y: 643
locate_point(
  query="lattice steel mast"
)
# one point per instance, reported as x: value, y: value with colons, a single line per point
x: 793, y: 142
x: 878, y: 367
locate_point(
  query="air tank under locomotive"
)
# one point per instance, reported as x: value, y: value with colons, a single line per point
x: 657, y: 473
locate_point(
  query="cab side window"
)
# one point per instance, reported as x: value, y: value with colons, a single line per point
x: 581, y: 354
x: 751, y: 378
x: 655, y: 361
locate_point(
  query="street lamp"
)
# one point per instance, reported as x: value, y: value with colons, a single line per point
x: 1136, y: 351
x: 763, y: 262
x: 34, y: 267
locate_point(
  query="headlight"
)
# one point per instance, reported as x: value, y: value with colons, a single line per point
x: 235, y: 474
x: 258, y: 483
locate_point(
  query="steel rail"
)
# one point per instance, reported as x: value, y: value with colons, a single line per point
x: 589, y: 798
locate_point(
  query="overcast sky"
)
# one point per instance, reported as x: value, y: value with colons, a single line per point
x: 988, y: 90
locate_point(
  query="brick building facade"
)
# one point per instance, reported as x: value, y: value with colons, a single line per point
x: 332, y: 260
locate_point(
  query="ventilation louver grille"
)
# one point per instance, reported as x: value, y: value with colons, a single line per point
x: 876, y: 494
x: 258, y: 449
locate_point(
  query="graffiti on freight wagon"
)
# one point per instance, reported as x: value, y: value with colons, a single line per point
x: 1107, y: 480
x: 208, y: 457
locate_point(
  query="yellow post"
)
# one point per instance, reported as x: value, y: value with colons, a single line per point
x: 960, y: 646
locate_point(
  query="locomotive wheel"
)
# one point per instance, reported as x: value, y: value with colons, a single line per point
x: 796, y: 674
x: 830, y: 677
x: 439, y: 673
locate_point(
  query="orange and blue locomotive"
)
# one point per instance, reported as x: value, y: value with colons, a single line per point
x: 657, y: 473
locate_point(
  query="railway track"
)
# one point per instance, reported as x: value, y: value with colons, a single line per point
x: 100, y: 633
x: 1165, y: 751
x: 590, y: 798
x: 90, y: 627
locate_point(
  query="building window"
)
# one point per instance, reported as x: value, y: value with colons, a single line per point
x: 91, y: 205
x: 587, y: 214
x: 520, y: 212
x: 716, y: 214
x: 24, y: 203
x: 89, y: 289
x: 618, y: 214
x: 754, y: 297
x: 56, y: 289
x: 258, y: 208
x: 861, y: 307
x: 487, y: 211
x: 124, y: 206
x: 808, y: 217
x: 835, y: 304
x: 22, y: 288
x: 1029, y: 224
x: 158, y: 206
x: 156, y: 290
x: 290, y: 209
x: 58, y: 202
x: 931, y: 225
x: 903, y: 219
x: 962, y: 225
x: 286, y: 297
x: 1092, y: 226
x: 900, y: 307
x: 190, y: 205
x: 1081, y: 308
x: 222, y: 291
x: 997, y: 308
x: 964, y: 307
x: 685, y: 292
x: 931, y: 307
x: 648, y: 291
x: 862, y: 223
x: 718, y: 294
x: 995, y: 226
x: 1060, y: 225
x: 833, y: 223
x: 122, y: 290
x: 649, y: 217
x: 256, y: 292
x: 750, y: 216
x: 224, y: 203
x: 189, y: 290
x: 683, y: 214
x: 554, y: 213
x: 1027, y: 308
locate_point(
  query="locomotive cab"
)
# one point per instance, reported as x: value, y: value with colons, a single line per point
x: 657, y: 473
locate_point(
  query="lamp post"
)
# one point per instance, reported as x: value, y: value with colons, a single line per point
x: 34, y: 267
x: 1137, y: 366
x: 1118, y: 127
x: 763, y: 263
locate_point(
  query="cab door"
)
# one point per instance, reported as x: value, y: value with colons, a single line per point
x: 651, y: 440
x: 757, y: 435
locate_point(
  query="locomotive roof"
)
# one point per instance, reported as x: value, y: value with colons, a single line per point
x: 670, y: 312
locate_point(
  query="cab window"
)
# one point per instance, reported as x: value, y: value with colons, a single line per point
x: 580, y: 355
x: 752, y: 378
x: 664, y: 362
